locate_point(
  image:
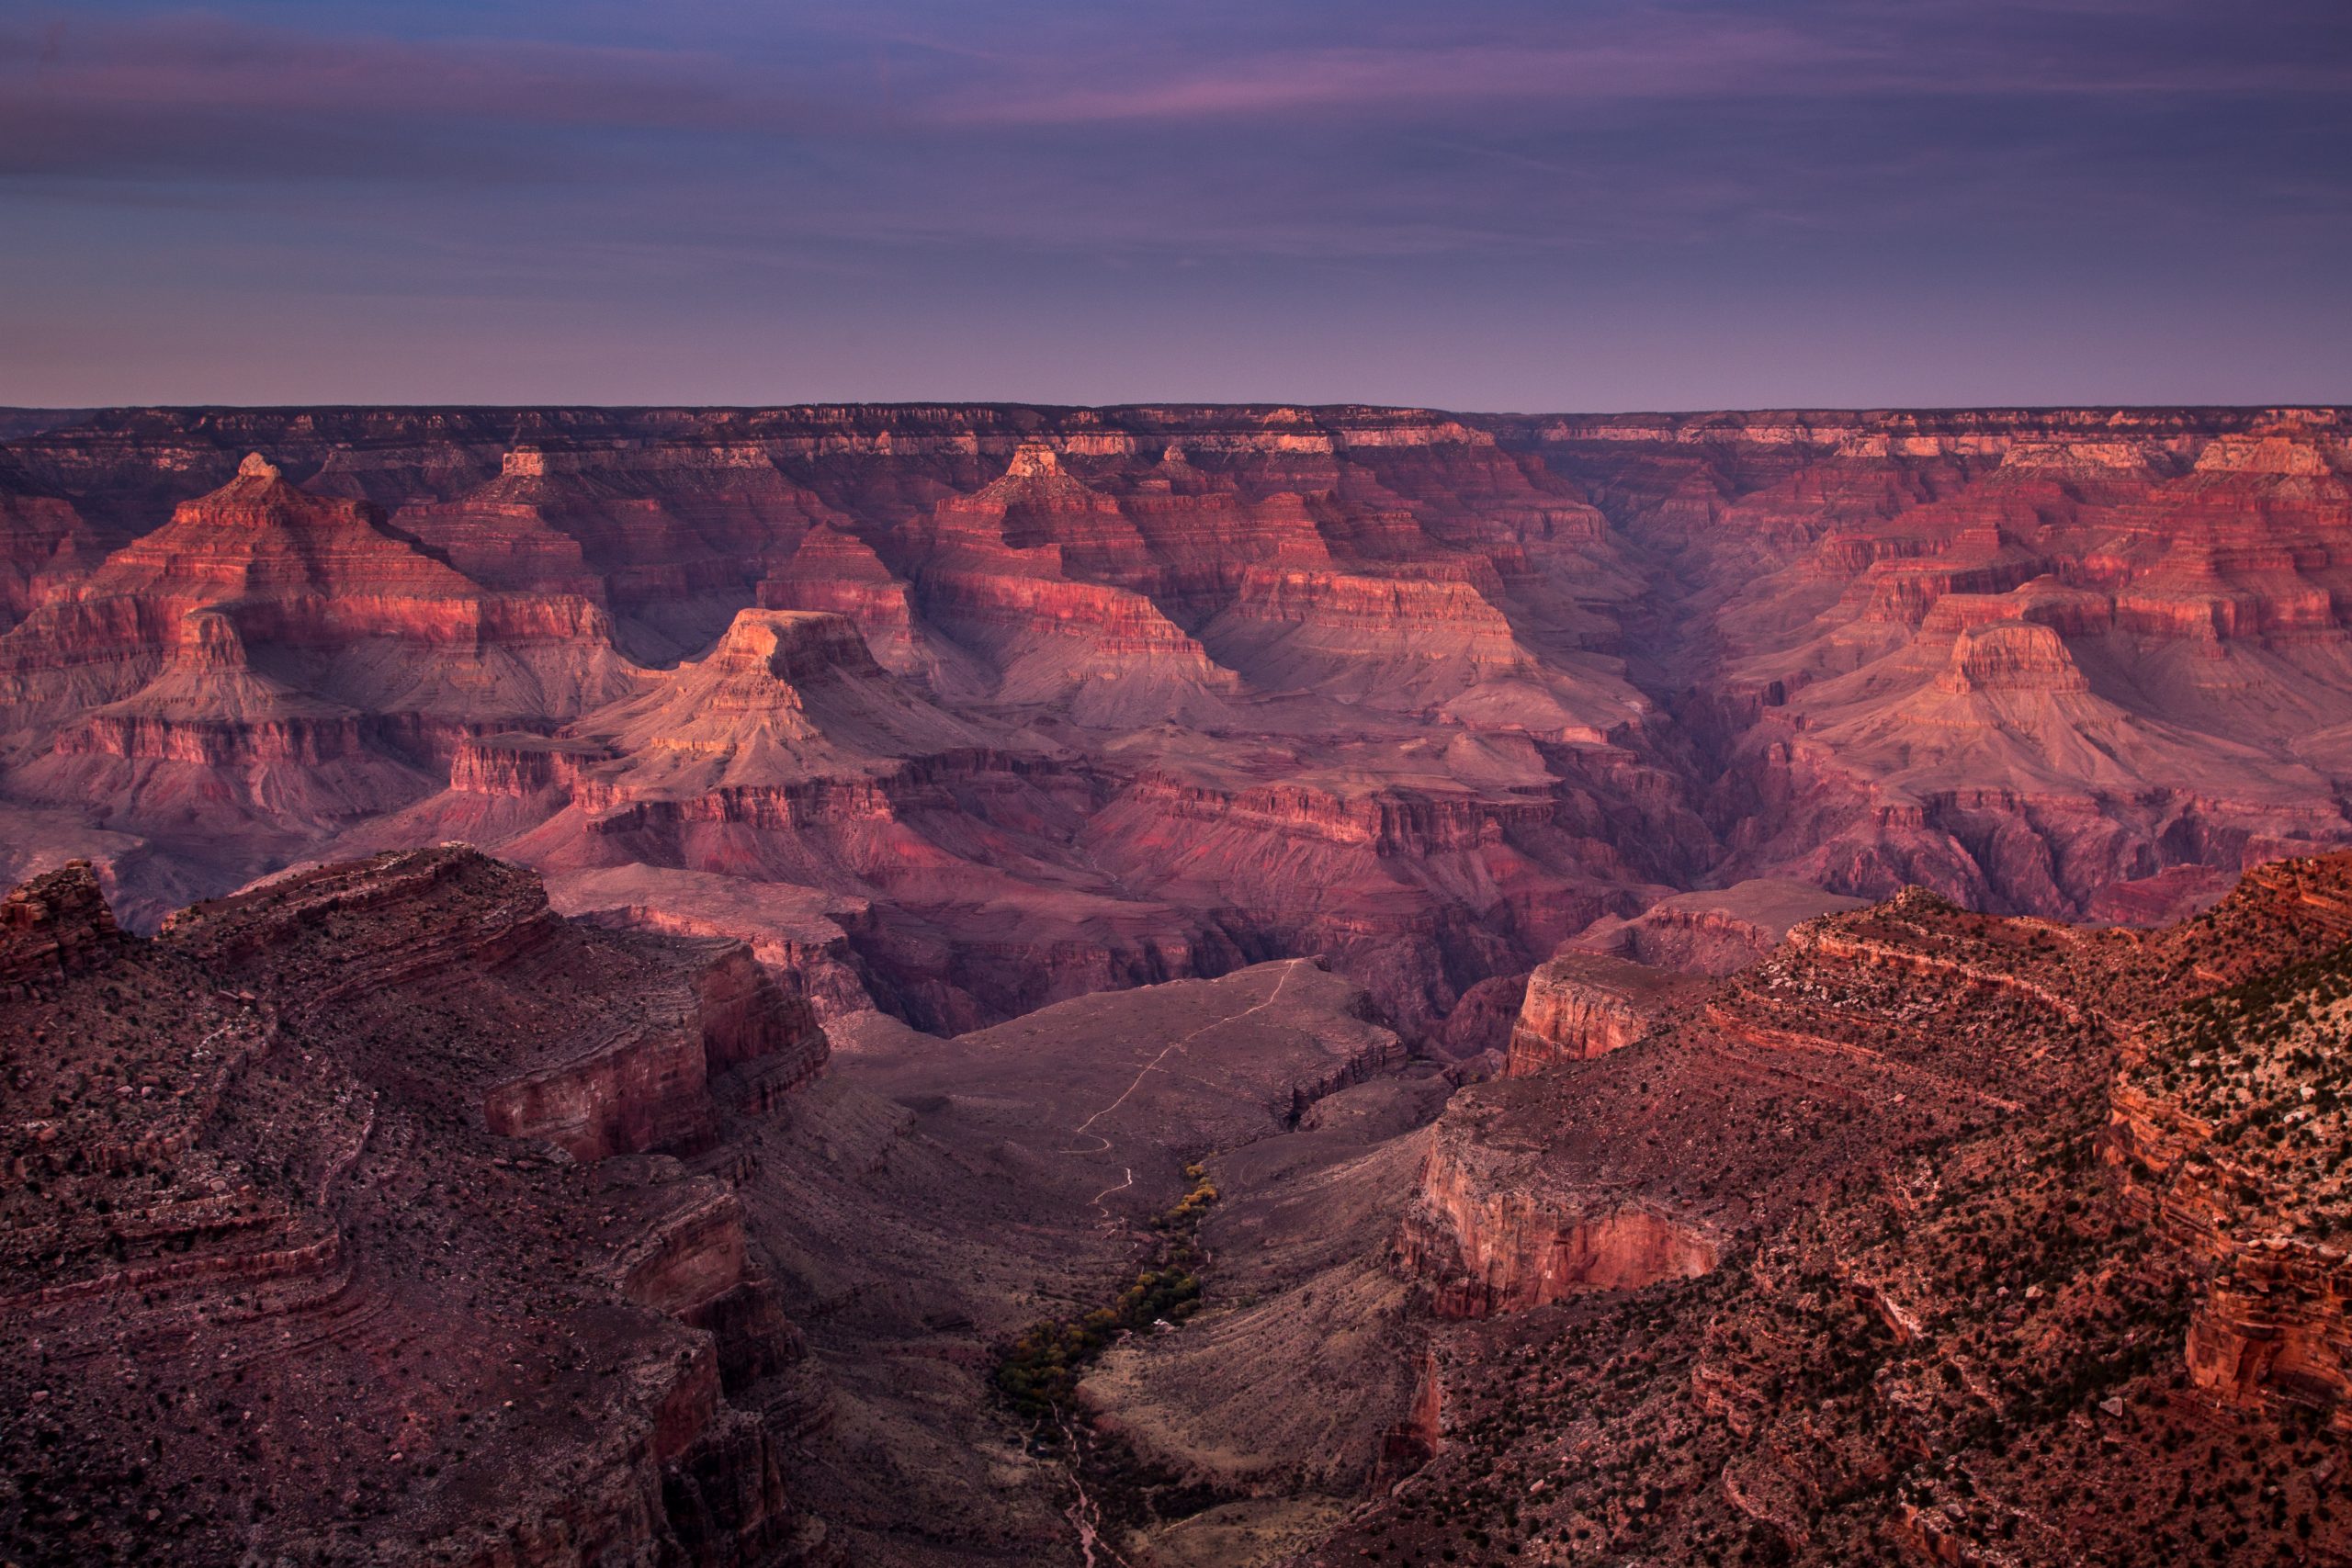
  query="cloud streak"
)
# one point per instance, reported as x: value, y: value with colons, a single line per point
x: 208, y: 66
x: 1294, y: 160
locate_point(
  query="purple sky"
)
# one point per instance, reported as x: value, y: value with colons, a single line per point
x: 1485, y: 203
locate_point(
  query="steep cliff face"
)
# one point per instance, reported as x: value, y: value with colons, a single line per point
x: 2227, y: 1120
x: 55, y: 925
x: 1488, y: 1241
x: 1648, y: 1118
x: 43, y: 539
x: 1582, y: 1005
x: 659, y: 1029
x: 1933, y: 1237
x: 268, y: 1181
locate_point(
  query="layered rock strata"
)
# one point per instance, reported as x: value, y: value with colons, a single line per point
x: 1934, y: 1237
x: 1152, y: 692
x: 1582, y: 1005
x: 303, y: 1253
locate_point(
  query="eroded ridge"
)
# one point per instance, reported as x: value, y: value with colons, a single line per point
x: 345, y: 1216
x: 1936, y: 1237
x: 1021, y: 703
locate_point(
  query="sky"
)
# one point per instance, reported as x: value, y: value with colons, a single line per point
x: 1495, y: 205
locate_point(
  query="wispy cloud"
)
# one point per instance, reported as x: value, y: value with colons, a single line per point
x: 1700, y: 65
x: 83, y: 70
x: 606, y: 152
x: 1393, y: 81
x: 212, y: 62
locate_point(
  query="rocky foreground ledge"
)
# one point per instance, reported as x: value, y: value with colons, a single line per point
x: 333, y: 1226
x: 1934, y: 1237
x: 378, y: 1213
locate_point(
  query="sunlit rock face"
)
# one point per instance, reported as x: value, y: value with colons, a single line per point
x: 1582, y: 1005
x: 1155, y: 692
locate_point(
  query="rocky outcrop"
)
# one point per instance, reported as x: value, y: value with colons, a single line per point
x: 519, y: 764
x: 835, y: 570
x: 1484, y: 1245
x: 652, y: 1032
x: 784, y: 696
x: 1448, y: 619
x: 2010, y: 656
x: 271, y: 1140
x: 1642, y: 1125
x: 2278, y: 1327
x: 1717, y: 932
x: 1582, y: 1005
x: 2273, y: 1320
x: 1913, y: 1265
x: 54, y: 927
x: 644, y: 1089
x: 2223, y: 1119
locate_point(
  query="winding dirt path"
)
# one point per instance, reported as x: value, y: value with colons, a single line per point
x: 1104, y: 1209
x: 1174, y: 1047
x: 1084, y: 1515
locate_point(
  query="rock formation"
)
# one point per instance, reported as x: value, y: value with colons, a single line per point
x: 1582, y: 1005
x: 302, y: 1257
x: 1148, y: 692
x: 1715, y: 932
x: 1934, y: 1237
x: 2227, y: 1120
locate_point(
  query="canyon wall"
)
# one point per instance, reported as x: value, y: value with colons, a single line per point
x: 1061, y: 699
x: 1582, y: 1005
x: 278, y: 1179
x: 1932, y: 1238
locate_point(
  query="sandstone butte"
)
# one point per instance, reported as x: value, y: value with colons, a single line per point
x: 1749, y: 988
